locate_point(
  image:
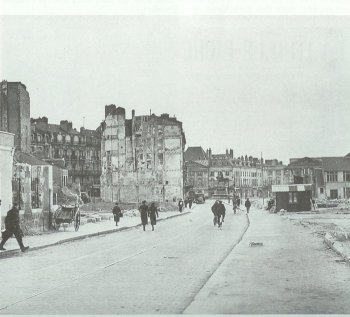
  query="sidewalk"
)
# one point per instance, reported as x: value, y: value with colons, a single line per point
x: 86, y: 230
x: 292, y: 272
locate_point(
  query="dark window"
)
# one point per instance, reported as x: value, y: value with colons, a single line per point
x: 334, y: 193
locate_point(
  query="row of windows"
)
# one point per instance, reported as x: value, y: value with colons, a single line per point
x: 333, y: 177
x: 62, y: 139
x: 237, y: 174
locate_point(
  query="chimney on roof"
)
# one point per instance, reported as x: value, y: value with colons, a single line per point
x: 231, y: 153
x: 66, y: 125
x: 226, y: 152
x: 132, y: 113
x: 165, y: 115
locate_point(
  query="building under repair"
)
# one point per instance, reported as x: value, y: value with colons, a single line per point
x: 142, y: 157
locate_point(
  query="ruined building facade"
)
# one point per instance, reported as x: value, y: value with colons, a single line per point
x: 81, y: 151
x: 15, y: 113
x: 142, y: 157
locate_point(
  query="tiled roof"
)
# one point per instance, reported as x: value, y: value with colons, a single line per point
x: 200, y: 164
x: 336, y: 164
x: 195, y: 153
x: 305, y: 161
x: 347, y: 155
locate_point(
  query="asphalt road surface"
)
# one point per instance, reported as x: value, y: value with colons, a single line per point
x: 129, y: 272
x: 185, y: 266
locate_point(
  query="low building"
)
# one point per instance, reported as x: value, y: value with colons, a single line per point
x: 336, y: 177
x: 7, y: 141
x: 329, y: 176
x: 32, y: 182
x: 297, y: 197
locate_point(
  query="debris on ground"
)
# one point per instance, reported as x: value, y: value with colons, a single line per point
x: 256, y: 244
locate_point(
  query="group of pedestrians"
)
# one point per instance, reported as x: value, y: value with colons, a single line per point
x: 237, y: 202
x: 151, y: 212
x: 219, y: 212
x: 183, y: 204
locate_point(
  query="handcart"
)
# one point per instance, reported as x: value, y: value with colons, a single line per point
x: 66, y: 214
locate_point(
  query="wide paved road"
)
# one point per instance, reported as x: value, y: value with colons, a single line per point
x: 127, y: 272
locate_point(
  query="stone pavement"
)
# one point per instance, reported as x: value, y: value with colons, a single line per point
x: 292, y: 272
x: 86, y: 230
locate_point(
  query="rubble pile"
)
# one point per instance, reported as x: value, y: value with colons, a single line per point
x: 66, y: 196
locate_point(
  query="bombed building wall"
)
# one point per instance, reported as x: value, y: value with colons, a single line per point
x: 15, y: 113
x: 142, y: 157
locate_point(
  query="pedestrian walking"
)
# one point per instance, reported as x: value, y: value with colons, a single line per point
x: 153, y: 215
x: 13, y: 228
x: 215, y: 211
x: 144, y: 214
x: 190, y: 202
x: 234, y: 206
x: 238, y: 202
x: 221, y: 213
x: 186, y: 202
x: 180, y: 204
x: 247, y: 205
x: 117, y: 213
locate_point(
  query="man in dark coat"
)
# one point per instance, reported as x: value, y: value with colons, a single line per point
x: 186, y: 202
x: 12, y: 227
x: 180, y: 204
x: 215, y: 211
x: 247, y: 205
x: 153, y: 215
x: 116, y: 212
x: 144, y: 214
x: 221, y: 213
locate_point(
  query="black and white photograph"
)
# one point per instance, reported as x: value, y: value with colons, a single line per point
x: 174, y: 157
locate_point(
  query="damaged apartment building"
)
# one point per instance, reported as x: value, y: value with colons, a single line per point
x: 142, y: 157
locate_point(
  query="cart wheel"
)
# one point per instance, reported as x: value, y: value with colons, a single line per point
x: 77, y: 221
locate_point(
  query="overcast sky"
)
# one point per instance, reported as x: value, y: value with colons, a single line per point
x: 277, y: 85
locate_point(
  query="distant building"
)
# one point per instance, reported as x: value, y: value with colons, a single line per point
x: 243, y: 176
x: 307, y: 170
x: 142, y: 157
x: 195, y: 153
x: 336, y: 177
x: 81, y: 150
x: 329, y: 176
x: 196, y: 171
x: 15, y: 113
